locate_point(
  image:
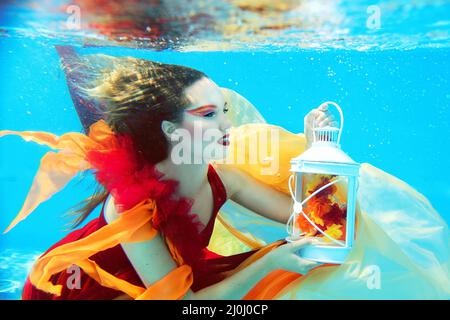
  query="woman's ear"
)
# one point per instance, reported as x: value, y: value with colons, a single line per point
x: 168, y: 128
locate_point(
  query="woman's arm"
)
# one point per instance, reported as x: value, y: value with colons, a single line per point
x: 152, y: 261
x: 239, y: 284
x: 255, y: 195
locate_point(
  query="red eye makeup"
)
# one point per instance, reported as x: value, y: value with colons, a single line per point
x: 203, y: 110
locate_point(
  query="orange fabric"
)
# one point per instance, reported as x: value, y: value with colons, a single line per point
x: 268, y: 287
x: 257, y: 255
x: 174, y: 252
x: 277, y: 282
x: 126, y: 228
x: 57, y: 169
x: 172, y: 287
x: 271, y: 285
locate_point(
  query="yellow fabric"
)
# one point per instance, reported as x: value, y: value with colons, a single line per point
x: 242, y: 139
x: 402, y: 245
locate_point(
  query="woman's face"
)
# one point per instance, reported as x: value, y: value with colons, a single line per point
x: 205, y: 123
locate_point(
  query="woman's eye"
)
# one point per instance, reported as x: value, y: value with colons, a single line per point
x: 225, y: 110
x: 210, y: 114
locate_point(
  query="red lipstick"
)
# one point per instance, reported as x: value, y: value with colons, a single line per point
x: 224, y: 140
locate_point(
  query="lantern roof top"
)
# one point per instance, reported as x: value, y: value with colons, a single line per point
x: 323, y: 151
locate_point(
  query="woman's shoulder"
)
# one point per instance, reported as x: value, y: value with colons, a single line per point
x: 109, y: 210
x: 231, y: 177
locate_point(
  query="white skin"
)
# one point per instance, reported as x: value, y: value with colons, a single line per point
x: 152, y: 260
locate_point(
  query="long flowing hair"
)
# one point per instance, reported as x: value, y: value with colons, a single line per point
x: 133, y: 96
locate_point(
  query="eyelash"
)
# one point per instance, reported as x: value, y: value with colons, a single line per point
x: 213, y: 113
x: 210, y: 114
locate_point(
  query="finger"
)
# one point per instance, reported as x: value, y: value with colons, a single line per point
x: 325, y: 122
x: 322, y: 115
x: 327, y: 113
x: 331, y: 117
x: 312, y: 115
x: 301, y: 265
x: 308, y: 262
x: 332, y: 124
x: 315, y: 113
x: 294, y: 246
x: 323, y: 107
x: 307, y: 265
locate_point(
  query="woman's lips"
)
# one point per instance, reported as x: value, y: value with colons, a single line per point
x: 224, y: 140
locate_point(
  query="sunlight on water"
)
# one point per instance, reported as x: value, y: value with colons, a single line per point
x: 243, y: 25
x: 14, y: 267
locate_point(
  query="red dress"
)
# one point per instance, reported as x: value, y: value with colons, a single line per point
x: 115, y: 261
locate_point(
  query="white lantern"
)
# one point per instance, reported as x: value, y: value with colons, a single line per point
x: 324, y: 194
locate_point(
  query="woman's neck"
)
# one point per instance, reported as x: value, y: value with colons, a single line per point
x: 190, y: 176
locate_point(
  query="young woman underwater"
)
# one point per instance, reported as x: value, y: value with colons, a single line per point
x: 152, y: 239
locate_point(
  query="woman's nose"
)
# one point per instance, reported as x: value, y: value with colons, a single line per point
x: 226, y: 124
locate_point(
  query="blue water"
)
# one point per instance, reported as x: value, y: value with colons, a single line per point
x: 395, y: 102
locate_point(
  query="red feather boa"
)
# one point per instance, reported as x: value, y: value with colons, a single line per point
x: 130, y: 181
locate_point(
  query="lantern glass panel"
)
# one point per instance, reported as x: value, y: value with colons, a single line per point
x: 327, y: 208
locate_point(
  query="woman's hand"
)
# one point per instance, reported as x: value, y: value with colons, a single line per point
x: 317, y: 118
x: 285, y: 257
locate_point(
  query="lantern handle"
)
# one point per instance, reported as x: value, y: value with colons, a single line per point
x: 340, y: 113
